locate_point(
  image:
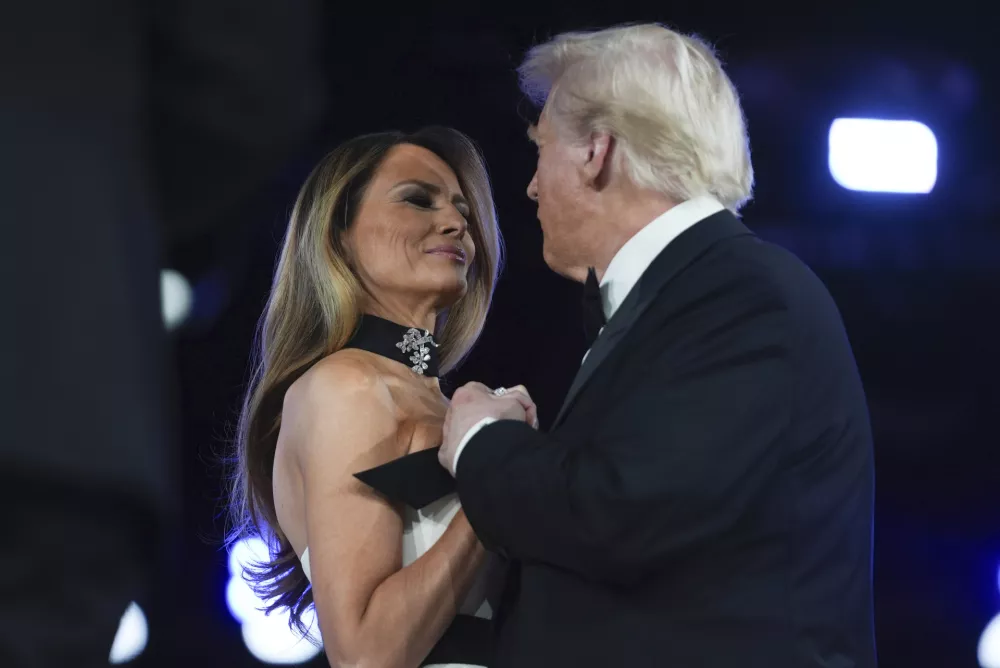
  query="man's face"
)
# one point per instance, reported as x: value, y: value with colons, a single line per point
x: 559, y: 189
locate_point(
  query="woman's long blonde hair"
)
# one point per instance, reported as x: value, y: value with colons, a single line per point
x: 313, y: 310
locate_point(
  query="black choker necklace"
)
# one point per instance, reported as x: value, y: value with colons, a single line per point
x: 416, y: 348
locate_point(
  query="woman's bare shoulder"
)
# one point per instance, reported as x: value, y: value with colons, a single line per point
x: 342, y: 375
x: 342, y: 397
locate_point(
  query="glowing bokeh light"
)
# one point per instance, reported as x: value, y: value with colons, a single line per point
x: 875, y: 155
x: 131, y: 637
x: 176, y: 298
x: 268, y: 637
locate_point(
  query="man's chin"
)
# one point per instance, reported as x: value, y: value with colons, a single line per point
x: 575, y: 274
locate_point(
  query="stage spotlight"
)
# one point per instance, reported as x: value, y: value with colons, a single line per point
x: 989, y: 643
x: 268, y: 637
x: 874, y: 155
x: 176, y: 298
x: 132, y: 635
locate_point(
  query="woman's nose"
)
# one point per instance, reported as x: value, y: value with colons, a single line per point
x: 454, y: 223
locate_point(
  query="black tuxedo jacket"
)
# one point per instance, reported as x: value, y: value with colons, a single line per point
x: 704, y: 498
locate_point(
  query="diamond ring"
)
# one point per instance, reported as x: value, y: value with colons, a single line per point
x: 500, y: 391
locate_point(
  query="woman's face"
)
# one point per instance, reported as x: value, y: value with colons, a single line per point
x: 410, y: 238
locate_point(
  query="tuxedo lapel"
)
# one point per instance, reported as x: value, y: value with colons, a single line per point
x: 678, y: 254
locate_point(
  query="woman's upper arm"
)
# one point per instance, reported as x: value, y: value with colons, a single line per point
x: 341, y: 420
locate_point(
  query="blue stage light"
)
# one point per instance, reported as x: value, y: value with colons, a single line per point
x: 989, y: 642
x: 267, y: 636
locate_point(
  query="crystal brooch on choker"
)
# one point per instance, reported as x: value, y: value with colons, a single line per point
x: 418, y: 343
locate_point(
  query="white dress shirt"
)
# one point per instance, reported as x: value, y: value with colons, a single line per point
x: 628, y: 266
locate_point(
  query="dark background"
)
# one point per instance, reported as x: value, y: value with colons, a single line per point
x: 915, y: 275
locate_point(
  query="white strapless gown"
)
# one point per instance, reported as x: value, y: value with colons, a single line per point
x: 421, y: 529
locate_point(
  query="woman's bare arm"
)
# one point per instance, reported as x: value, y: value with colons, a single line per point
x: 340, y: 419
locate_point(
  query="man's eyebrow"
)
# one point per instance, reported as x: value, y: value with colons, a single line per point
x: 533, y: 133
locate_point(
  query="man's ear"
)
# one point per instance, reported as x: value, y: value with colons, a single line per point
x: 600, y: 151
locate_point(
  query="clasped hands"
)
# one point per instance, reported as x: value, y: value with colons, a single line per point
x: 475, y: 402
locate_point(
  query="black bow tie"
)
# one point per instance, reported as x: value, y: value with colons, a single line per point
x: 593, y: 307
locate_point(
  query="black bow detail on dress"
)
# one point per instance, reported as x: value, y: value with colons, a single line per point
x: 593, y: 308
x: 417, y: 479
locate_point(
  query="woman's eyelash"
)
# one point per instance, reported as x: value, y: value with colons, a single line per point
x: 421, y: 200
x: 425, y: 202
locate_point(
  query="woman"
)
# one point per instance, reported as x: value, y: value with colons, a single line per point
x: 385, y: 278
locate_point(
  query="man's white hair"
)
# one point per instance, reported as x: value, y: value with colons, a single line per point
x: 664, y: 97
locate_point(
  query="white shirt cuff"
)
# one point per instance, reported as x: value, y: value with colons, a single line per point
x: 468, y: 437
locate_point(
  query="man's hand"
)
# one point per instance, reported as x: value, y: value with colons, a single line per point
x: 473, y: 402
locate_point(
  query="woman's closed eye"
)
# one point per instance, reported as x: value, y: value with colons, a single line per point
x: 421, y: 200
x: 425, y: 201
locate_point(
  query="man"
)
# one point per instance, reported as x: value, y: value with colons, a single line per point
x: 121, y: 124
x: 704, y: 497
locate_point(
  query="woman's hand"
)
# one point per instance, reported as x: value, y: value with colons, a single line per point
x: 474, y: 402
